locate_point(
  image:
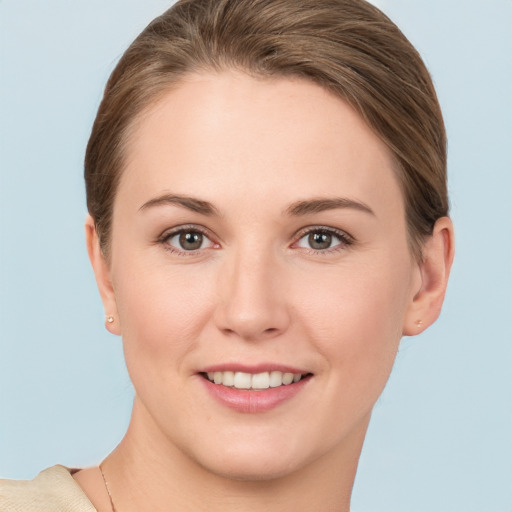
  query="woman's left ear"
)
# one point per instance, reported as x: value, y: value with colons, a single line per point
x: 433, y: 272
x: 103, y: 277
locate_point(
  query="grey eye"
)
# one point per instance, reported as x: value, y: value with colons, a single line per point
x: 188, y: 240
x: 320, y: 241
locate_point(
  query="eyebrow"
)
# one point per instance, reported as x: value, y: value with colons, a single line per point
x: 190, y: 203
x: 296, y: 209
x: 322, y: 204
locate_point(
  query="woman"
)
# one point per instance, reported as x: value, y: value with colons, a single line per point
x: 266, y: 183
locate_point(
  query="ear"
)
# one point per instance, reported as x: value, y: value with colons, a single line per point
x: 103, y: 277
x: 433, y: 272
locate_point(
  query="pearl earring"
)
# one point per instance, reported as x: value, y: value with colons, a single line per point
x: 110, y: 319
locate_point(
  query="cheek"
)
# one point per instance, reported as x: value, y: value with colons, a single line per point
x: 357, y: 324
x: 162, y: 309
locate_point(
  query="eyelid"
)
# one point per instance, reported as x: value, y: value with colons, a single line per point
x: 171, y: 232
x: 345, y: 238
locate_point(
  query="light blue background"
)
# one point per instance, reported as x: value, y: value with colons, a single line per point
x: 441, y: 435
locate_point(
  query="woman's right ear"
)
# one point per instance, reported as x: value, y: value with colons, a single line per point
x: 103, y: 277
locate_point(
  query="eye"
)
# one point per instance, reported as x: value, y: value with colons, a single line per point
x: 324, y: 239
x: 186, y: 240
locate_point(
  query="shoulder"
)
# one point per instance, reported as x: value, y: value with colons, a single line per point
x: 52, y: 490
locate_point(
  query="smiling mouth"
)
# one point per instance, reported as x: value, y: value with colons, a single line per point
x: 254, y: 381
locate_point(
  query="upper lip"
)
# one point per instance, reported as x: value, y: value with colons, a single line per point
x: 253, y: 368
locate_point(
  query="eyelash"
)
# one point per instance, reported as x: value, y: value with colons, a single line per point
x: 345, y: 239
x: 168, y: 235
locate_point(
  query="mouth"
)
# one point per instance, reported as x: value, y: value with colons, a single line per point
x: 255, y: 389
x: 254, y: 381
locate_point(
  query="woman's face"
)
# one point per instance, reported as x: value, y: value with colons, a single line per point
x: 258, y: 229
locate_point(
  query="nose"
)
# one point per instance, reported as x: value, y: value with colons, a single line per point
x: 252, y: 296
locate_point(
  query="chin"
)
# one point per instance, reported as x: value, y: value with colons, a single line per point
x: 253, y: 470
x: 254, y: 459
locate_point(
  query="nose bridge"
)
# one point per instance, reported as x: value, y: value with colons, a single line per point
x: 252, y: 300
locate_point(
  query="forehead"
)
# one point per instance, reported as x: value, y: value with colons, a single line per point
x: 255, y: 138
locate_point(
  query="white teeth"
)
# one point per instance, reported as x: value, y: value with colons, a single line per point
x: 228, y: 378
x: 263, y: 380
x: 287, y: 378
x: 276, y: 379
x: 242, y: 380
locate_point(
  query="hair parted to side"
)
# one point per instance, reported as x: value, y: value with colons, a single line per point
x: 346, y: 46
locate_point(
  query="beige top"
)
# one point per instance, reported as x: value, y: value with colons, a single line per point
x: 53, y: 490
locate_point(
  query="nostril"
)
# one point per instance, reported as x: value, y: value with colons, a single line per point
x: 252, y: 333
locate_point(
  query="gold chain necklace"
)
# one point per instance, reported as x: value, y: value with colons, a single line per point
x: 108, y: 490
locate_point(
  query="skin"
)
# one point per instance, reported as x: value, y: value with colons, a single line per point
x: 256, y: 292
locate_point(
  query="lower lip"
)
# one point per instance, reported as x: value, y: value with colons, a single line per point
x: 254, y: 401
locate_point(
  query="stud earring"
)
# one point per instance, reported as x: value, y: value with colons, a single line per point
x: 110, y: 319
x: 419, y: 322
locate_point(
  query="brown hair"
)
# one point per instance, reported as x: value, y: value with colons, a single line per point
x: 346, y: 46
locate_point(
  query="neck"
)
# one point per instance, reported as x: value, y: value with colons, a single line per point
x: 148, y: 472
